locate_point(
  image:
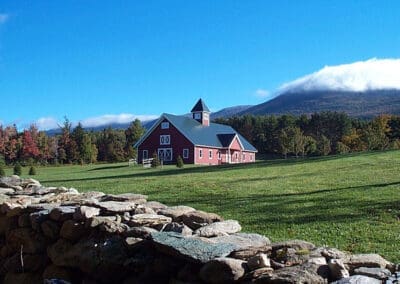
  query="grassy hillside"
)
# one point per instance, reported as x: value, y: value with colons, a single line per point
x: 349, y: 202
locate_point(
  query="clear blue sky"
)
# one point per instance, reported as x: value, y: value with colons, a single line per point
x: 88, y: 58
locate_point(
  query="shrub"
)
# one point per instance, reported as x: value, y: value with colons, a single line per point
x: 179, y: 162
x: 2, y: 172
x: 342, y: 148
x: 17, y: 169
x: 156, y: 161
x: 32, y: 171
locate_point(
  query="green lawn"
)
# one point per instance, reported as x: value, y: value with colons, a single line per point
x: 351, y: 202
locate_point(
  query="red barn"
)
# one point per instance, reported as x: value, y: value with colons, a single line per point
x: 195, y: 139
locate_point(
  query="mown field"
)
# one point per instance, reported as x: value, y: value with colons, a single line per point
x: 351, y: 202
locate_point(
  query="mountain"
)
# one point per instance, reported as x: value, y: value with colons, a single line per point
x: 357, y: 104
x: 229, y: 111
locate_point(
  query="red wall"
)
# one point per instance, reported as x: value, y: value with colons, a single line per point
x: 178, y: 143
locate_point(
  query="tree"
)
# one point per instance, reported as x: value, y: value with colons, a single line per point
x: 29, y: 148
x: 17, y: 169
x: 179, y: 162
x: 32, y: 171
x: 323, y: 146
x: 2, y: 172
x: 132, y: 134
x: 285, y: 142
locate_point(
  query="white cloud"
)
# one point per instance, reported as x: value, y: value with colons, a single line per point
x: 373, y: 74
x: 261, y: 93
x: 45, y: 123
x: 3, y: 18
x: 114, y: 118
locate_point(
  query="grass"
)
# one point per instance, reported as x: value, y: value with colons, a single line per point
x: 351, y: 202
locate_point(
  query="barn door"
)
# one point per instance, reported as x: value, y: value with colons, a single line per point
x: 165, y: 154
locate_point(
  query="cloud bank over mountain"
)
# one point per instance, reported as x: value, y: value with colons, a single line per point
x: 46, y: 123
x: 373, y: 74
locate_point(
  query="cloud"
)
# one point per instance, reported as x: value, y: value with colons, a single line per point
x: 108, y: 119
x: 261, y: 93
x: 372, y: 74
x: 3, y: 18
x: 45, y: 123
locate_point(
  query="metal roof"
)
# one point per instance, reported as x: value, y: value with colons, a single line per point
x: 214, y: 135
x: 200, y: 106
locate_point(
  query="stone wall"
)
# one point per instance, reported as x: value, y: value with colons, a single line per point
x: 58, y: 235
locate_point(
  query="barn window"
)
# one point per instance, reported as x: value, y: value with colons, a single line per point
x: 244, y: 157
x: 210, y: 154
x: 201, y: 153
x: 165, y: 125
x: 197, y: 116
x: 145, y: 154
x: 165, y: 139
x: 185, y: 153
x: 219, y: 155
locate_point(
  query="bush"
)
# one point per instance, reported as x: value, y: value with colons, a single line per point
x: 32, y: 171
x: 2, y: 172
x: 156, y: 161
x: 179, y: 162
x: 17, y: 169
x: 342, y: 148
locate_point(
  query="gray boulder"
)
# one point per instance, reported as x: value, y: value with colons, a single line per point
x: 338, y: 269
x: 223, y: 270
x: 198, y: 218
x: 374, y: 272
x: 178, y: 228
x: 358, y: 279
x: 176, y: 212
x: 216, y: 229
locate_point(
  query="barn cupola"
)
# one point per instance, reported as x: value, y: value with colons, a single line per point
x: 201, y: 113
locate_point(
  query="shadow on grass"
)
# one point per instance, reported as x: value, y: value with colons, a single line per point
x: 208, y: 169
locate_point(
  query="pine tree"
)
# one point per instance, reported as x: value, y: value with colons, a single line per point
x: 32, y: 171
x: 179, y: 162
x: 17, y: 169
x: 2, y: 172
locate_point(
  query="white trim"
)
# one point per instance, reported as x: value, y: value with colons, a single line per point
x: 165, y: 125
x: 185, y: 150
x: 200, y: 153
x: 165, y: 139
x: 147, y: 154
x: 163, y: 151
x: 240, y: 142
x: 219, y: 155
x: 210, y: 154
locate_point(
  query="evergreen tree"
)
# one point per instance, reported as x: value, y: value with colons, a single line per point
x: 132, y: 134
x: 179, y: 162
x: 32, y: 171
x: 2, y: 172
x: 17, y: 169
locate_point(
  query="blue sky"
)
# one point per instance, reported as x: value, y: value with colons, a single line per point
x: 87, y: 59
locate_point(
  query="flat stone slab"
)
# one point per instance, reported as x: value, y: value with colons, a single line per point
x: 190, y: 248
x: 137, y: 198
x: 216, y: 229
x: 149, y: 220
x: 116, y: 206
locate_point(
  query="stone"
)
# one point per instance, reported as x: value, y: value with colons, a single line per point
x: 295, y: 244
x: 149, y: 220
x: 29, y: 277
x: 290, y: 256
x: 23, y: 220
x: 13, y: 181
x: 57, y: 272
x: 318, y: 260
x: 96, y: 221
x: 223, y: 270
x: 6, y: 190
x: 198, y: 218
x: 178, y: 228
x: 62, y: 213
x: 113, y: 227
x: 374, y: 272
x: 258, y: 261
x: 31, y: 263
x: 38, y: 217
x: 116, y: 206
x: 73, y: 230
x: 305, y: 273
x: 27, y: 240
x: 216, y: 229
x: 338, y: 269
x: 257, y: 273
x: 85, y: 212
x: 190, y: 248
x: 366, y: 260
x: 155, y: 205
x: 8, y: 223
x: 50, y: 229
x: 246, y: 245
x: 358, y: 279
x: 330, y: 253
x: 139, y: 232
x: 140, y: 209
x: 176, y: 212
x: 137, y: 198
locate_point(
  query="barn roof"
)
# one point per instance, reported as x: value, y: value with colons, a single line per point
x: 200, y: 106
x: 214, y: 135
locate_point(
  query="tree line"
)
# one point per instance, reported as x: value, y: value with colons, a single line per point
x: 320, y: 134
x: 72, y: 146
